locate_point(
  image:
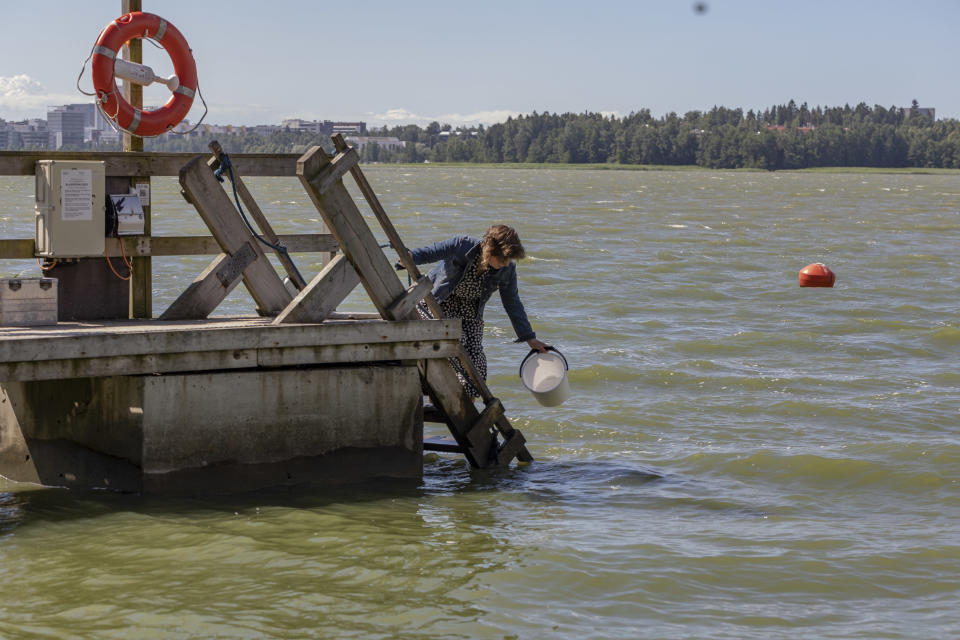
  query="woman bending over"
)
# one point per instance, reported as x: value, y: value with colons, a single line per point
x: 467, y: 273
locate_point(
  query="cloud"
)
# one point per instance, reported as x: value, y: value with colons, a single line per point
x: 23, y: 97
x: 21, y: 85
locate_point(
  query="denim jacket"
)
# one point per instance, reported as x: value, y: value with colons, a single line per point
x: 452, y: 257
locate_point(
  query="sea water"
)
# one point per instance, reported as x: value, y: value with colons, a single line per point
x: 740, y: 457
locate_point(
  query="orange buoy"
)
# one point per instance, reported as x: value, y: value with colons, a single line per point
x: 816, y: 275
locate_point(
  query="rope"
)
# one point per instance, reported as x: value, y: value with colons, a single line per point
x: 126, y: 261
x: 226, y: 164
x: 205, y: 111
x: 110, y: 263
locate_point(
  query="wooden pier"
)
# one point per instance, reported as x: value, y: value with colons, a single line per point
x: 298, y: 393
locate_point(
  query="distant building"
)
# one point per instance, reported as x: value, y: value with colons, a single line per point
x: 388, y: 143
x: 321, y: 127
x: 324, y: 127
x: 65, y: 125
x: 930, y: 112
x: 264, y: 129
x: 26, y: 133
x: 349, y: 127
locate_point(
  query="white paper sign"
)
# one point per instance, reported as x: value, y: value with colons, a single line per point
x: 143, y: 190
x: 76, y: 200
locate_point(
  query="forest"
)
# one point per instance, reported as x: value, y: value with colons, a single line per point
x: 781, y: 137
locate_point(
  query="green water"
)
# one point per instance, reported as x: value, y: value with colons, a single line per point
x: 741, y: 457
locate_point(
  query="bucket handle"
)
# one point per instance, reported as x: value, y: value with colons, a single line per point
x: 533, y: 351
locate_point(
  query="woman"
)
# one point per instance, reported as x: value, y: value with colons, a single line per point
x: 468, y: 272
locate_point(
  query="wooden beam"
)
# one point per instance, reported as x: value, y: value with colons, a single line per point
x: 514, y: 446
x: 266, y: 229
x: 395, y: 241
x: 320, y: 298
x: 68, y: 340
x: 217, y: 210
x: 339, y: 166
x: 404, y: 306
x: 157, y: 246
x: 132, y: 92
x: 343, y: 218
x: 211, y: 287
x: 140, y: 364
x: 480, y: 431
x: 146, y: 164
x: 133, y: 348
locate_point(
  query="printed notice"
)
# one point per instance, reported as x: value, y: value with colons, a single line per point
x: 143, y: 191
x: 76, y: 201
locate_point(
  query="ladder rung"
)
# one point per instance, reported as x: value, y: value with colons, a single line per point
x: 511, y: 448
x: 432, y: 413
x: 489, y: 417
x: 441, y: 443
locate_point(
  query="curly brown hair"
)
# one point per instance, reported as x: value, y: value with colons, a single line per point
x: 503, y: 242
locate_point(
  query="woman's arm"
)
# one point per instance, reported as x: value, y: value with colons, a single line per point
x: 510, y: 296
x: 438, y: 250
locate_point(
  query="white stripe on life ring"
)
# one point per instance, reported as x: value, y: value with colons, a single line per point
x: 105, y: 51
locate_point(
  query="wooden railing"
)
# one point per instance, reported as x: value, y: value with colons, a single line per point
x: 135, y: 164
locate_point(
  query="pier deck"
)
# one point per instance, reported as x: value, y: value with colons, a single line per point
x: 216, y: 405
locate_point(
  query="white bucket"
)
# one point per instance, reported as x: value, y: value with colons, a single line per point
x: 545, y: 376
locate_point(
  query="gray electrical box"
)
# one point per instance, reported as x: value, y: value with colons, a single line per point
x: 70, y: 208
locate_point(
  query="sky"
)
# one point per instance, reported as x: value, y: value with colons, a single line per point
x: 467, y: 63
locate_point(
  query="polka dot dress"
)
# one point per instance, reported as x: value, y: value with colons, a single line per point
x: 464, y: 303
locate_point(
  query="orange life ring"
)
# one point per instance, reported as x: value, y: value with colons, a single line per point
x: 116, y: 34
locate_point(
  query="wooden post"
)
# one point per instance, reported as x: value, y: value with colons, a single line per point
x: 141, y: 284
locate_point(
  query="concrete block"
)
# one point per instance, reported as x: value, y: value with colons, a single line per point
x: 219, y: 432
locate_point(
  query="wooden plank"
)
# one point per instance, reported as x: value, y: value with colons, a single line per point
x: 320, y: 298
x: 211, y: 287
x: 223, y: 220
x: 404, y: 306
x: 480, y: 431
x: 266, y: 229
x: 20, y: 249
x: 146, y: 164
x: 139, y: 364
x: 339, y: 166
x: 433, y: 414
x: 345, y: 222
x: 158, y: 246
x: 122, y: 337
x: 441, y: 443
x: 127, y: 365
x: 352, y: 353
x: 511, y: 449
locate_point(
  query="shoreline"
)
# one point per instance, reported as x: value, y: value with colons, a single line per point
x: 659, y: 167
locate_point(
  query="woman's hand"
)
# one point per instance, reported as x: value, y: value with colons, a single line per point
x: 536, y: 345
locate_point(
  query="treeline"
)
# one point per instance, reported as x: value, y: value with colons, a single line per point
x: 781, y: 137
